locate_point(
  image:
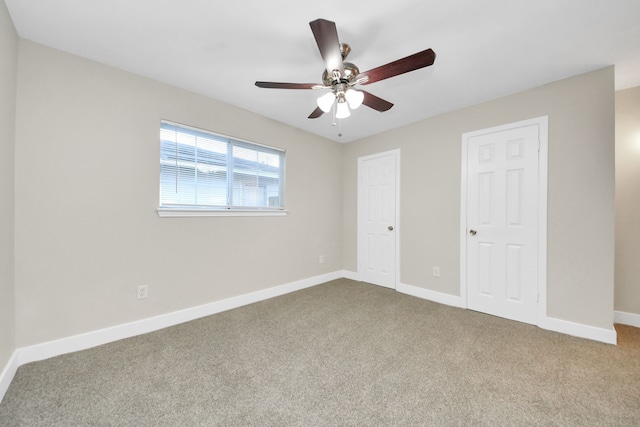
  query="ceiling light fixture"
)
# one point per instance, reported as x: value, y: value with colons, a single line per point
x: 342, y: 109
x: 354, y: 98
x: 345, y: 98
x: 340, y: 76
x: 325, y: 102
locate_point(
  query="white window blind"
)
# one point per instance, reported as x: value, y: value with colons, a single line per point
x: 203, y: 170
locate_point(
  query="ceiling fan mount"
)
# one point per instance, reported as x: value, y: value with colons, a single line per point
x: 340, y: 76
x: 345, y: 49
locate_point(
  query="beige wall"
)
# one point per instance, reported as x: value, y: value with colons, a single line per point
x: 580, y: 194
x: 86, y: 168
x: 87, y: 234
x: 627, y: 294
x: 8, y: 65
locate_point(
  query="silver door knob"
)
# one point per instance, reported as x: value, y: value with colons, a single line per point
x: 390, y: 228
x: 473, y: 232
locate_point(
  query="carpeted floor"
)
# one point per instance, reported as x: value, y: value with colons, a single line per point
x: 342, y: 353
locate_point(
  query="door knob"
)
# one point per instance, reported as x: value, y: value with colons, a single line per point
x: 390, y: 228
x: 473, y: 232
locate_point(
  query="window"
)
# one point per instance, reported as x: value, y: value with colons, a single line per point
x: 202, y: 173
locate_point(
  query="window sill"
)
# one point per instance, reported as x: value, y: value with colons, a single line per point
x: 186, y: 212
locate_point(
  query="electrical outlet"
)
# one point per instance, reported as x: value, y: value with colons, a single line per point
x: 143, y: 291
x: 321, y: 259
x: 436, y: 271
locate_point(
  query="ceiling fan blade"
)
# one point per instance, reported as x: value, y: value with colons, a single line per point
x: 316, y: 113
x: 374, y: 102
x: 400, y: 66
x: 275, y: 85
x: 326, y: 36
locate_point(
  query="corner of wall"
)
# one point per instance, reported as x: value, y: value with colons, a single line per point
x: 627, y: 205
x: 9, y: 44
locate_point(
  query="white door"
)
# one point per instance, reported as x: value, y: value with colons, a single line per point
x: 377, y: 212
x: 502, y: 222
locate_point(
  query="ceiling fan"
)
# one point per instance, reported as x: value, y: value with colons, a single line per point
x: 340, y: 76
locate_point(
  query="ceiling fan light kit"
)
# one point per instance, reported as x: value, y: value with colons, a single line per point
x: 342, y: 95
x: 354, y: 98
x: 325, y: 102
x: 340, y: 76
x: 342, y: 110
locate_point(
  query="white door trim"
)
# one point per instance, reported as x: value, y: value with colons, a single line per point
x: 397, y: 228
x: 543, y: 126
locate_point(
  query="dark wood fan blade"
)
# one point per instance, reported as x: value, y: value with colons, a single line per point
x: 326, y: 36
x: 400, y: 66
x: 275, y: 85
x: 374, y: 102
x: 316, y: 113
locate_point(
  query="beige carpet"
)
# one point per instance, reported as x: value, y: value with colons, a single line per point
x: 342, y: 353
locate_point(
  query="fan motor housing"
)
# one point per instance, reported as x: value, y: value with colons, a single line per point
x: 350, y: 73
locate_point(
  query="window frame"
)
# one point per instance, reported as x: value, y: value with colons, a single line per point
x: 182, y: 210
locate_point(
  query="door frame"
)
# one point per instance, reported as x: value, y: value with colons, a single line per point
x: 359, y: 249
x: 543, y: 136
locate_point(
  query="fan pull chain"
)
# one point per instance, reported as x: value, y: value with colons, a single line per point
x: 339, y: 123
x: 333, y: 111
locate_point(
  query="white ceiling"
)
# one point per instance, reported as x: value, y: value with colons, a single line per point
x: 485, y: 48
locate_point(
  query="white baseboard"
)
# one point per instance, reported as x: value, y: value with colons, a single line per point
x: 439, y: 297
x: 608, y: 336
x: 580, y: 330
x: 8, y: 373
x: 351, y: 275
x: 623, y: 318
x: 102, y: 336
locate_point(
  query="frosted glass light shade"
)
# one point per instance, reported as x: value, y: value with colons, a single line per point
x: 342, y: 111
x: 354, y: 98
x: 325, y: 102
